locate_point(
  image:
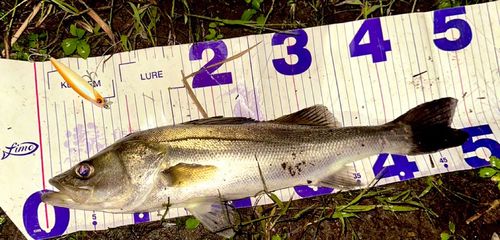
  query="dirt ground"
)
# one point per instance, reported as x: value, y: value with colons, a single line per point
x: 461, y: 195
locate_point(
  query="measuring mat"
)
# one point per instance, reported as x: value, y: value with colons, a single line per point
x: 366, y: 72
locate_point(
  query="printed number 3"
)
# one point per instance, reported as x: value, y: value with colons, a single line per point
x: 206, y: 78
x: 297, y: 49
x: 441, y: 26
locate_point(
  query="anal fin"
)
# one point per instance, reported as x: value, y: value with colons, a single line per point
x: 215, y: 216
x: 343, y: 179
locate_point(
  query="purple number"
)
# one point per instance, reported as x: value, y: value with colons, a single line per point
x: 377, y: 47
x: 205, y: 78
x: 141, y: 217
x: 242, y: 203
x: 299, y: 49
x: 470, y: 145
x: 441, y: 26
x: 30, y: 218
x: 402, y: 168
x: 306, y: 191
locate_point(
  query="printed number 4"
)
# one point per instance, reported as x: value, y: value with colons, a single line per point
x: 377, y: 47
x: 402, y: 168
x: 206, y: 77
x: 441, y: 26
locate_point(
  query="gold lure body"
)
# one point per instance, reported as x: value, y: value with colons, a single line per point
x: 79, y: 85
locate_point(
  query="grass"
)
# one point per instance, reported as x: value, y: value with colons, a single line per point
x: 133, y: 25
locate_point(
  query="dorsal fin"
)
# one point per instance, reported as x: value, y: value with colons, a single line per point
x: 219, y: 120
x: 317, y: 115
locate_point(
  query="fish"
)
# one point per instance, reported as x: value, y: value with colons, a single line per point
x: 201, y: 164
x: 79, y: 85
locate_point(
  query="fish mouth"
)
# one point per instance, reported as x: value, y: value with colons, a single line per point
x: 63, y: 198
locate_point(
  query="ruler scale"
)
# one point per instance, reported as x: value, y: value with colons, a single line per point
x: 366, y: 72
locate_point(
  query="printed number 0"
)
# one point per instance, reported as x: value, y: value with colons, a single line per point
x: 206, y: 78
x: 377, y: 47
x: 441, y: 26
x: 30, y: 218
x: 471, y: 145
x: 297, y: 49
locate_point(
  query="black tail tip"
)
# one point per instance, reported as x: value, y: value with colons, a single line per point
x: 436, y: 138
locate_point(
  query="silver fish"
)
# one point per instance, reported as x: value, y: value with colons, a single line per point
x: 199, y: 164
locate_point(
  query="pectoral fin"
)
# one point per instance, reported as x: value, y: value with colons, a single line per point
x: 184, y: 174
x: 215, y: 216
x: 342, y: 179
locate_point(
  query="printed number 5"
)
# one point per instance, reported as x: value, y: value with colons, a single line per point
x: 441, y: 26
x: 297, y: 49
x: 471, y: 145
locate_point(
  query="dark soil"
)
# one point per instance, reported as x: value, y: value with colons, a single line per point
x: 171, y: 29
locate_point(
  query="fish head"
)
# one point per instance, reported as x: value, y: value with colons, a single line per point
x: 99, y: 183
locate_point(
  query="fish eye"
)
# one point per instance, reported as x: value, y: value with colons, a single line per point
x: 99, y: 100
x: 84, y: 170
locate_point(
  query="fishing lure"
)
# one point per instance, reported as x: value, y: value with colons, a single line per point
x: 82, y: 87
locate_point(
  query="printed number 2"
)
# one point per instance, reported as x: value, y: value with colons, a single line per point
x: 441, y: 26
x: 470, y: 145
x: 298, y: 49
x: 402, y: 168
x: 31, y: 218
x: 377, y: 47
x: 206, y: 78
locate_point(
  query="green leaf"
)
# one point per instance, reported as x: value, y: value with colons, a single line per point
x: 487, y: 172
x: 211, y: 34
x: 495, y: 162
x: 192, y: 223
x: 248, y: 14
x: 357, y: 208
x: 72, y: 30
x: 83, y: 49
x: 124, y: 42
x: 498, y: 186
x: 397, y: 208
x: 276, y: 200
x: 301, y: 212
x: 343, y: 215
x: 3, y: 219
x: 261, y: 20
x: 276, y: 237
x: 445, y: 236
x: 451, y: 226
x: 256, y: 4
x: 248, y: 1
x: 69, y: 45
x: 212, y: 25
x: 369, y: 10
x: 496, y: 178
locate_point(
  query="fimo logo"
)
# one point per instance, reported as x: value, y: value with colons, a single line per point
x: 20, y: 149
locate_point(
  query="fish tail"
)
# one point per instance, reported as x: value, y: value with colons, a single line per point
x: 430, y: 126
